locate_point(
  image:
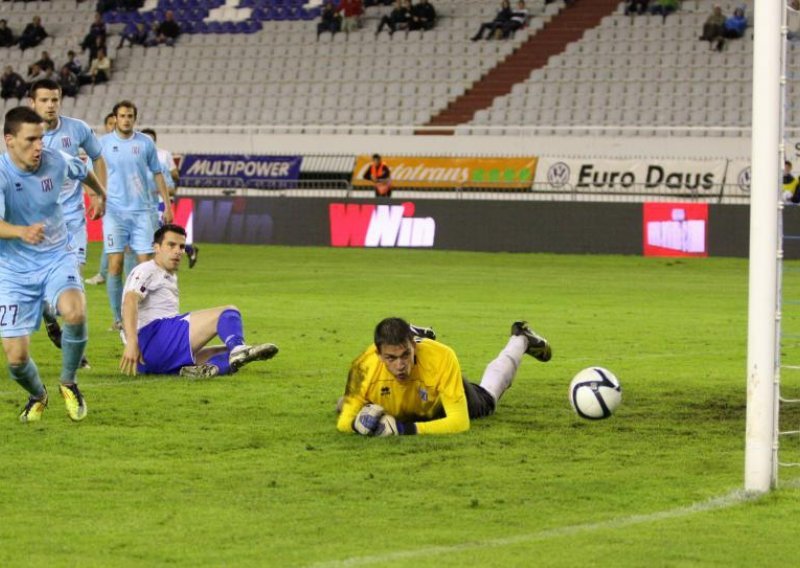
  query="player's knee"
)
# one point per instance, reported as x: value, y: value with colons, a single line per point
x: 73, y: 314
x: 230, y: 307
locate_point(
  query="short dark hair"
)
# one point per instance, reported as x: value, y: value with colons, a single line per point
x: 47, y: 84
x: 149, y: 132
x: 158, y: 236
x: 376, y: 156
x: 126, y: 104
x: 393, y: 331
x: 18, y: 116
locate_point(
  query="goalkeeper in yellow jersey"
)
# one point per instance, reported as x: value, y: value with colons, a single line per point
x: 408, y: 383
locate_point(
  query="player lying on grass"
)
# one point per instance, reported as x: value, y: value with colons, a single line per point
x: 408, y: 383
x: 160, y: 340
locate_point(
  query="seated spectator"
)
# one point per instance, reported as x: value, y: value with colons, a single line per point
x: 519, y: 19
x: 33, y: 34
x: 735, y: 25
x: 98, y: 28
x: 136, y: 34
x: 73, y: 62
x: 423, y: 16
x: 636, y: 7
x: 99, y: 43
x: 501, y: 18
x: 399, y: 19
x: 36, y: 73
x: 6, y: 35
x: 45, y: 63
x: 713, y: 27
x: 351, y: 12
x: 12, y: 85
x: 793, y: 20
x: 167, y: 31
x: 330, y: 20
x: 68, y: 82
x: 99, y: 70
x: 664, y: 7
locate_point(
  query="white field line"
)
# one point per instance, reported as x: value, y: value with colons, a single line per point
x: 730, y: 500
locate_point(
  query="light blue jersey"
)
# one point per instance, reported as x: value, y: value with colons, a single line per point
x: 130, y: 164
x: 70, y: 136
x: 27, y: 198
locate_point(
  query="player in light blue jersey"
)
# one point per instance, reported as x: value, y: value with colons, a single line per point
x: 37, y: 258
x: 69, y: 135
x: 171, y: 177
x: 131, y: 159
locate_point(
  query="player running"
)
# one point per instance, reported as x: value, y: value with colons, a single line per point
x: 38, y: 260
x: 160, y: 340
x: 131, y: 159
x: 408, y: 383
x: 68, y: 135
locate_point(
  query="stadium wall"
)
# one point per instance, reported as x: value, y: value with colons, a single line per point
x: 664, y: 229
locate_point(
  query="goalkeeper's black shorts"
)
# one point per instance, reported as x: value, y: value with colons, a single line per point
x: 479, y: 402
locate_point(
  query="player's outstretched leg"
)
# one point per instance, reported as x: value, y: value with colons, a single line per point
x: 191, y: 253
x: 74, y: 338
x: 538, y: 347
x: 51, y: 325
x: 244, y: 354
x: 422, y: 332
x: 499, y: 374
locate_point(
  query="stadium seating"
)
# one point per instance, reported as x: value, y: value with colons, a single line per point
x: 632, y: 75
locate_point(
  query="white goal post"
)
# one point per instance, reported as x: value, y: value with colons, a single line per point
x: 763, y: 302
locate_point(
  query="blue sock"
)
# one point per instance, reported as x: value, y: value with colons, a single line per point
x: 73, y: 343
x: 104, y: 265
x: 129, y: 263
x: 221, y: 362
x: 230, y: 328
x: 27, y: 375
x: 114, y: 288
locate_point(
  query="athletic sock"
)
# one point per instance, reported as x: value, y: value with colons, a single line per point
x: 114, y: 288
x: 220, y: 361
x: 73, y: 343
x: 230, y: 329
x: 499, y: 374
x: 129, y: 263
x: 104, y: 265
x: 27, y: 375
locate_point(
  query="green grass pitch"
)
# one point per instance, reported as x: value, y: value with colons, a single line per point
x: 249, y: 470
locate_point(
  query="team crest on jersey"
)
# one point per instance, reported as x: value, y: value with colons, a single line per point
x: 18, y: 186
x: 386, y: 391
x: 47, y: 184
x: 66, y: 142
x: 423, y: 395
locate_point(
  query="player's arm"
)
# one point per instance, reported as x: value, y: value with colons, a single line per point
x: 31, y: 234
x: 131, y: 355
x: 164, y: 192
x: 97, y: 195
x: 354, y: 400
x: 100, y: 170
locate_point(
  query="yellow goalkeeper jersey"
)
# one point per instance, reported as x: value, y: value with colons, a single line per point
x: 432, y: 396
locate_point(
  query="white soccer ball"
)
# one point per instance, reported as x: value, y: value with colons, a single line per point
x: 595, y: 393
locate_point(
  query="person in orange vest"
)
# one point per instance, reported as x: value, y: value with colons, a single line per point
x: 379, y: 174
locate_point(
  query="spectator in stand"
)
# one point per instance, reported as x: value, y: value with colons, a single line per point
x: 793, y: 20
x: 399, y: 19
x: 714, y: 27
x: 501, y: 18
x: 167, y: 31
x: 735, y: 25
x: 97, y: 29
x: 99, y: 43
x: 36, y: 73
x: 351, y: 11
x: 330, y: 20
x: 74, y: 63
x: 423, y: 16
x: 136, y: 34
x: 378, y: 173
x: 33, y: 34
x: 12, y: 85
x: 99, y: 70
x: 68, y: 82
x: 45, y: 63
x: 6, y: 35
x: 519, y: 19
x: 665, y: 7
x: 636, y: 7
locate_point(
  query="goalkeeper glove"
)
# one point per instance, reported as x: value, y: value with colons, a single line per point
x: 368, y: 419
x: 389, y: 426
